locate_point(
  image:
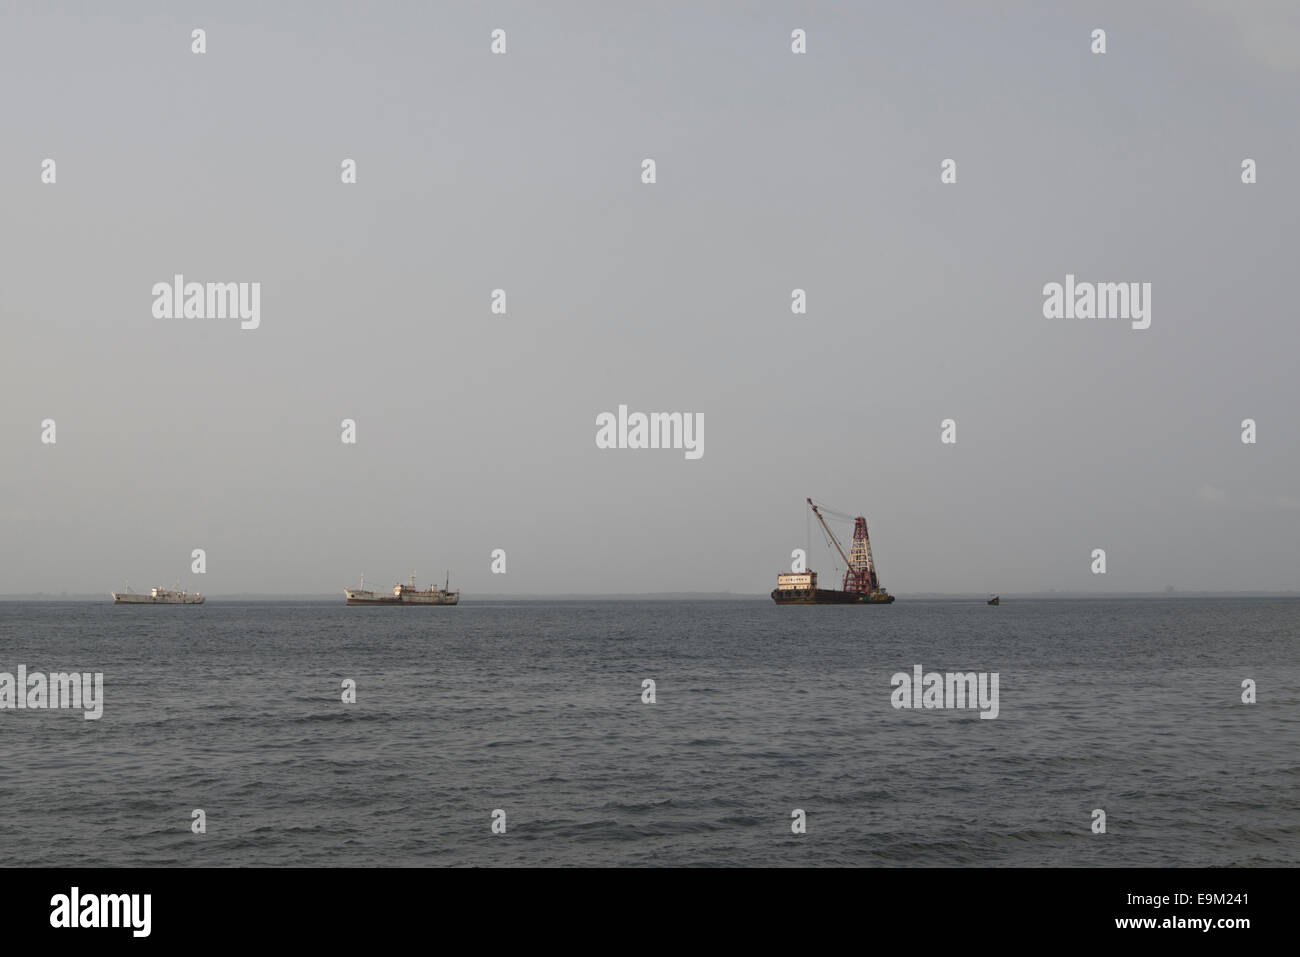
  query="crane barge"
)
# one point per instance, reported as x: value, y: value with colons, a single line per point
x: 861, y: 583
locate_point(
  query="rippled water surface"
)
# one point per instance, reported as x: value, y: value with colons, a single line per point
x: 1133, y: 706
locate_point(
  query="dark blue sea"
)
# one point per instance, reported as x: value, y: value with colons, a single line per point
x: 1130, y: 706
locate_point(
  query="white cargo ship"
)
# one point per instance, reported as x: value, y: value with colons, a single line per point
x: 157, y: 596
x: 403, y: 594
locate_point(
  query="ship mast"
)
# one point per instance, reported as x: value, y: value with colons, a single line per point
x: 860, y: 568
x: 861, y: 575
x: 829, y: 534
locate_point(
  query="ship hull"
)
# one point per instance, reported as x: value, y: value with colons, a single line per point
x: 827, y: 596
x: 127, y: 599
x: 399, y: 601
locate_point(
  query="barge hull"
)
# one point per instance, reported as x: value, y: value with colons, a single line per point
x: 827, y: 596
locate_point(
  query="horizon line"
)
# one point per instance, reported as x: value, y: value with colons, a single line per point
x: 1049, y: 594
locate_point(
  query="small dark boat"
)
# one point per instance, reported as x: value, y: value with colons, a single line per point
x: 995, y: 600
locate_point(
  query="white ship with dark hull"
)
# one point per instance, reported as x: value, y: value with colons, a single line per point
x: 157, y: 596
x: 403, y: 594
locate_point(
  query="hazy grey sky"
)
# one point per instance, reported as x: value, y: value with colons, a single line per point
x: 522, y: 171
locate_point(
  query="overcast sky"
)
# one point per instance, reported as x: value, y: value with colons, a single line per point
x: 522, y: 171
